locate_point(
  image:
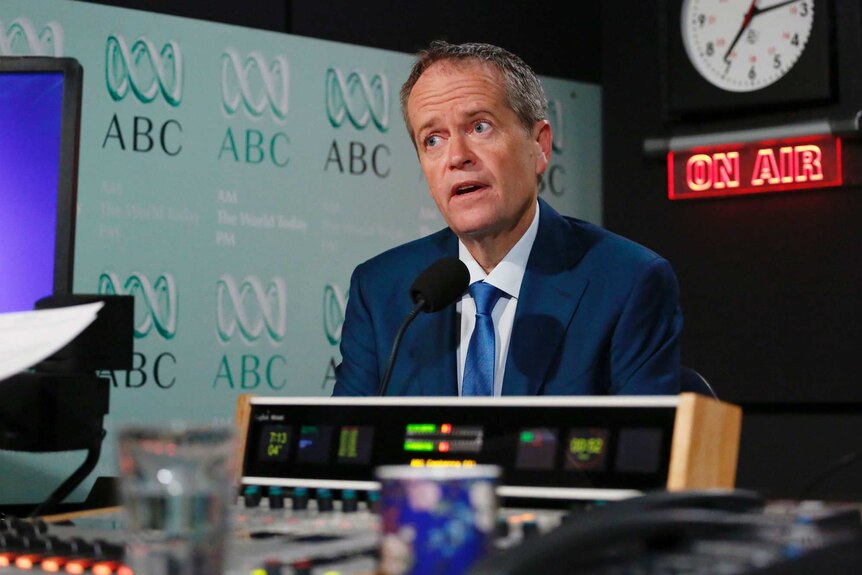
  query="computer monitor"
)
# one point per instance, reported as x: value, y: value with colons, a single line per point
x: 40, y: 112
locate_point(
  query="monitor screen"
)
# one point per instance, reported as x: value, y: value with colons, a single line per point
x: 40, y: 101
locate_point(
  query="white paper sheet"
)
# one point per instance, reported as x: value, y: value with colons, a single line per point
x: 28, y: 337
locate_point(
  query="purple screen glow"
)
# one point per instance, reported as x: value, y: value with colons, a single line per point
x: 30, y: 120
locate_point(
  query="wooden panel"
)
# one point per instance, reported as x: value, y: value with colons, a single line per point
x: 243, y: 415
x: 705, y: 444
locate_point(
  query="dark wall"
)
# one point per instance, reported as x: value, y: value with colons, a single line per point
x: 769, y: 284
x: 553, y: 45
x: 272, y: 15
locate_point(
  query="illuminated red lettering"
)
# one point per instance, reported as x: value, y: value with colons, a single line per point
x: 785, y: 164
x: 765, y: 168
x: 809, y: 167
x: 718, y: 171
x: 698, y: 172
x: 794, y: 164
x: 726, y: 170
x: 757, y: 167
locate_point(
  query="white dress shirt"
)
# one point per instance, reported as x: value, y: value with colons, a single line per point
x: 506, y: 277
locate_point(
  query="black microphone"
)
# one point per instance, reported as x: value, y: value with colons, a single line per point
x: 440, y: 285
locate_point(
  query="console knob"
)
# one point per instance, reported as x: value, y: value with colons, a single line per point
x: 303, y: 567
x: 300, y: 499
x: 324, y: 500
x: 272, y: 567
x: 501, y: 528
x: 349, y: 501
x: 276, y: 497
x: 373, y: 501
x: 251, y: 496
x: 530, y: 528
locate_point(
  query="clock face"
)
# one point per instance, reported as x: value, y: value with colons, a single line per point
x: 745, y: 45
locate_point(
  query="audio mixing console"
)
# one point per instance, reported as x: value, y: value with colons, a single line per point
x: 308, y: 498
x: 275, y: 532
x: 303, y: 532
x: 574, y: 470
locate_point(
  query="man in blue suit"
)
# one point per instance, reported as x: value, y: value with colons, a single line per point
x: 576, y: 310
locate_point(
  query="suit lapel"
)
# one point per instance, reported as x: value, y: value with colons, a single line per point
x: 438, y: 372
x: 436, y: 348
x: 550, y: 293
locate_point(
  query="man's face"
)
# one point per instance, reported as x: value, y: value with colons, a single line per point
x: 480, y: 162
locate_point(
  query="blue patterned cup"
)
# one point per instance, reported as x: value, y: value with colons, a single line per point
x: 436, y: 519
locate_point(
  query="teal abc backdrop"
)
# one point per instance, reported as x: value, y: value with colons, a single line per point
x: 231, y: 179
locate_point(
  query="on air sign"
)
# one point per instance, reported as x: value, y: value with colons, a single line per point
x: 755, y: 168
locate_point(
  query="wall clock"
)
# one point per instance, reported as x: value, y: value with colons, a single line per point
x: 738, y: 55
x: 744, y: 46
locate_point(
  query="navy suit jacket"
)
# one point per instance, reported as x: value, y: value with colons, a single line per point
x: 597, y: 314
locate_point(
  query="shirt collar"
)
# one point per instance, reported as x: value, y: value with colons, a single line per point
x: 509, y: 273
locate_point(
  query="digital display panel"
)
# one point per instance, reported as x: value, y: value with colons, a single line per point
x: 314, y: 444
x: 586, y: 449
x: 550, y: 445
x: 639, y: 450
x: 442, y: 438
x: 537, y: 447
x: 354, y: 444
x: 274, y: 443
x: 31, y: 106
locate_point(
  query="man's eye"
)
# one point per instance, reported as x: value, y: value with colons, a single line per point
x: 481, y: 127
x: 432, y: 141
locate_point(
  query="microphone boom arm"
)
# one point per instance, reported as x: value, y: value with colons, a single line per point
x: 384, y: 383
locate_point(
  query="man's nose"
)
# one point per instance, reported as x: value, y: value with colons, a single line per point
x: 460, y: 153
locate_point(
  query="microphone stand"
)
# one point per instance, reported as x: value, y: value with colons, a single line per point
x: 384, y: 383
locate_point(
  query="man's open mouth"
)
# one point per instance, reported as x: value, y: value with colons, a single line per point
x: 467, y: 188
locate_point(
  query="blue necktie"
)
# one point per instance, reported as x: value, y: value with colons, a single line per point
x: 479, y: 366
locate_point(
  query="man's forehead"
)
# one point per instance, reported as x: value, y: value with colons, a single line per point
x: 462, y: 65
x: 475, y: 83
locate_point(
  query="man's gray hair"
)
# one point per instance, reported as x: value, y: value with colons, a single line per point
x: 524, y: 93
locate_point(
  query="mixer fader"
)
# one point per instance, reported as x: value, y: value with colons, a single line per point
x: 303, y: 531
x: 317, y: 531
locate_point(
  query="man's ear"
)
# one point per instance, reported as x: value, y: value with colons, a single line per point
x: 543, y: 138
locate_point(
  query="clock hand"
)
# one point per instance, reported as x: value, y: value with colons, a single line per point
x: 758, y: 11
x: 745, y: 22
x: 753, y: 11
